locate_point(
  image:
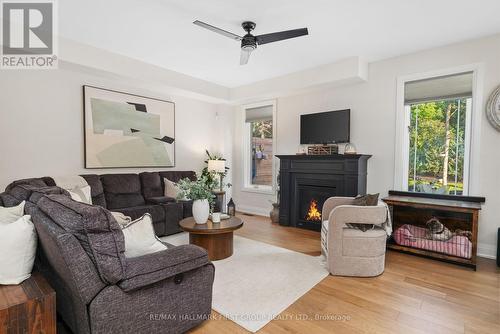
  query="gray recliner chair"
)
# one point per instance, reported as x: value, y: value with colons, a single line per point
x: 98, y: 290
x: 352, y: 252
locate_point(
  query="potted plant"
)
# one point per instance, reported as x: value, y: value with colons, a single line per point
x: 200, y: 193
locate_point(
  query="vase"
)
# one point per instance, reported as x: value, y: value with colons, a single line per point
x: 275, y: 213
x: 201, y: 210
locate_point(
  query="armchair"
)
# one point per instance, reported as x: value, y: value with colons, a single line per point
x: 352, y: 252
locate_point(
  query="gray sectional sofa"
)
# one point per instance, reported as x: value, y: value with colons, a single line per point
x: 133, y: 195
x: 80, y: 252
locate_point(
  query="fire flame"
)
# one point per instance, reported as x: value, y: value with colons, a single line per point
x: 313, y: 214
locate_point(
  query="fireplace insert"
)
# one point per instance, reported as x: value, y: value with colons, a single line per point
x: 310, y: 202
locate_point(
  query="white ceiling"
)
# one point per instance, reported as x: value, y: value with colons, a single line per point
x: 161, y: 32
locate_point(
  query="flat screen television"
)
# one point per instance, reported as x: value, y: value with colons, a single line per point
x: 329, y: 127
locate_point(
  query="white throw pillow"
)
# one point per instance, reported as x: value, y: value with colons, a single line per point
x: 10, y: 215
x: 140, y: 238
x: 17, y: 250
x: 81, y: 194
x: 121, y: 219
x: 171, y: 188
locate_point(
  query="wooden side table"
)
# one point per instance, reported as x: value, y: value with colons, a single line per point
x: 29, y: 307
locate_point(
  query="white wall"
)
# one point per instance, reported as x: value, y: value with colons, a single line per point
x: 41, y: 123
x: 373, y: 118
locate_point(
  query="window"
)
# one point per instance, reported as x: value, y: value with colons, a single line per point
x: 259, y: 142
x: 438, y: 114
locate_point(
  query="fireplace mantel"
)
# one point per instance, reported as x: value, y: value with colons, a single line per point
x: 338, y: 175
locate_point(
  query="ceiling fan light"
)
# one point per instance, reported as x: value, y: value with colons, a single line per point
x: 248, y: 48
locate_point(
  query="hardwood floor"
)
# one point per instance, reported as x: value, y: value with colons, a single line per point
x: 413, y: 295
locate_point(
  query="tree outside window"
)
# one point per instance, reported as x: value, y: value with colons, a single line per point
x: 436, y: 149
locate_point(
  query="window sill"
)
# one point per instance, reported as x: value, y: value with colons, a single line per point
x: 259, y: 190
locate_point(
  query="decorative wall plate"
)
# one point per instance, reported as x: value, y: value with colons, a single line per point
x: 493, y: 109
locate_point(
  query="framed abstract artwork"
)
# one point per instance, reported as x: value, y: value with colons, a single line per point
x: 125, y: 130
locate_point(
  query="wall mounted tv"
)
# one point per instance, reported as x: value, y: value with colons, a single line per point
x: 329, y: 127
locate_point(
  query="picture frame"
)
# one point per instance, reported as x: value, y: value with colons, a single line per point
x: 123, y: 130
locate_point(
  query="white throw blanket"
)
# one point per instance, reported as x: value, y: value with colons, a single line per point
x: 70, y: 181
x: 77, y: 187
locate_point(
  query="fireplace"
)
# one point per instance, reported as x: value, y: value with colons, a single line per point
x: 310, y: 202
x: 307, y: 181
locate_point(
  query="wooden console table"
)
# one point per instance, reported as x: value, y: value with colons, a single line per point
x: 29, y: 307
x: 457, y: 212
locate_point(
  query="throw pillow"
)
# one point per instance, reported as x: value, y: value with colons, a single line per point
x: 10, y: 215
x: 17, y: 250
x: 364, y: 200
x: 121, y: 219
x: 171, y: 188
x: 81, y: 194
x: 140, y: 238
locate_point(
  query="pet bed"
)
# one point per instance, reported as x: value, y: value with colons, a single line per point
x: 413, y: 236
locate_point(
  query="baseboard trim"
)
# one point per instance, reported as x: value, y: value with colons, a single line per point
x: 254, y: 210
x: 487, y: 251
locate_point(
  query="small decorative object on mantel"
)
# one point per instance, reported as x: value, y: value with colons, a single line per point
x: 302, y: 151
x: 322, y: 150
x: 493, y: 108
x: 350, y: 149
x: 231, y: 208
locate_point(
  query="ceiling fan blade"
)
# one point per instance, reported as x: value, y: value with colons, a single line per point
x: 218, y: 30
x: 244, y: 56
x: 279, y: 36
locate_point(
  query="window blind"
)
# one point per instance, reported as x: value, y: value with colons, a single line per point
x: 264, y: 113
x: 440, y: 88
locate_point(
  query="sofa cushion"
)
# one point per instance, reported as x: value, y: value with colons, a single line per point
x: 96, y: 230
x: 17, y: 250
x: 122, y: 190
x: 140, y: 238
x: 156, y: 211
x: 11, y: 214
x: 96, y: 189
x: 160, y: 200
x: 151, y: 184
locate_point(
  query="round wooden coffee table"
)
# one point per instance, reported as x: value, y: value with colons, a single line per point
x: 217, y: 238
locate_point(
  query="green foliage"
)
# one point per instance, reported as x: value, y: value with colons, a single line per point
x: 262, y: 129
x: 212, y: 178
x: 195, y: 190
x: 427, y: 141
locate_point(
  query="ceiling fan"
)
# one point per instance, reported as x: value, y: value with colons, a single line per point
x: 249, y: 42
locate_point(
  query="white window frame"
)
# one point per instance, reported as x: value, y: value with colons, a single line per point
x: 247, y: 161
x: 472, y: 133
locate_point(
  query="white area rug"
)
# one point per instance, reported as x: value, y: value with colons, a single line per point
x: 259, y: 281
